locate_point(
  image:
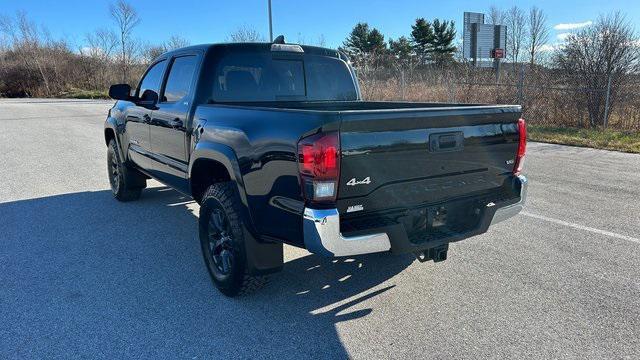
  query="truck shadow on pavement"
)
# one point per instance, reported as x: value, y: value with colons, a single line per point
x: 83, y: 275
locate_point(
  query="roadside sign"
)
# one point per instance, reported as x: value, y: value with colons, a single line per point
x: 483, y: 42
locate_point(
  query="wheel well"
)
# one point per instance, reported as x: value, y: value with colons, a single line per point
x: 204, y: 173
x: 109, y: 135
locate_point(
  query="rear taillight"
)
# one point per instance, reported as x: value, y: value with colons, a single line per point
x: 319, y: 165
x: 522, y: 147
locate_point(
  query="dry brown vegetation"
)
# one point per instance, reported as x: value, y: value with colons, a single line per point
x: 589, y: 81
x: 546, y: 95
x: 34, y: 64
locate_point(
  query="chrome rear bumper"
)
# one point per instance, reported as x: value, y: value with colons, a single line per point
x: 510, y: 211
x: 322, y: 230
x: 322, y: 236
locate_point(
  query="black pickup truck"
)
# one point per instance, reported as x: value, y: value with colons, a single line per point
x: 276, y: 145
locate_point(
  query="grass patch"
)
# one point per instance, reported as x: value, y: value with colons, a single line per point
x: 593, y: 138
x: 84, y: 94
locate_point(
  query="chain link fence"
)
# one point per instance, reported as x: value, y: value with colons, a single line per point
x: 547, y: 96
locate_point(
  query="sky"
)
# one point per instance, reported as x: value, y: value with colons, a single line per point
x: 299, y: 21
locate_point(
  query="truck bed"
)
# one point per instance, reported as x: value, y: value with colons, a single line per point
x: 398, y: 160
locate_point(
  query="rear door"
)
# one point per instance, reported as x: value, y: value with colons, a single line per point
x: 169, y: 122
x: 137, y: 117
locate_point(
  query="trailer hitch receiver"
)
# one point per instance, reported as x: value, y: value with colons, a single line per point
x: 436, y: 254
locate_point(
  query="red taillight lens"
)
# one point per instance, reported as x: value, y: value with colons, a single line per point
x: 522, y: 147
x: 319, y: 164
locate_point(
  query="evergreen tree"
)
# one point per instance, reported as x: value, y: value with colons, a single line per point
x: 365, y: 46
x: 363, y: 40
x: 442, y: 45
x: 357, y: 39
x: 422, y: 37
x: 376, y: 42
x: 402, y: 50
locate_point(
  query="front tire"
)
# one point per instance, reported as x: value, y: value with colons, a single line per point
x: 126, y: 183
x: 222, y: 242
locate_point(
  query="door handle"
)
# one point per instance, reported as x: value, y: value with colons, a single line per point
x: 176, y: 123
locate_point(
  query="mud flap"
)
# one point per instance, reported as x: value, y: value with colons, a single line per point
x: 262, y: 257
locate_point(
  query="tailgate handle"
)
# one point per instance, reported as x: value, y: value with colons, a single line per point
x: 445, y: 142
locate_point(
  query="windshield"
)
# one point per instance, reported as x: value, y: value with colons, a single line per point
x: 255, y: 76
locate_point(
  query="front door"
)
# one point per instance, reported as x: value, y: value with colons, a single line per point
x: 139, y: 116
x: 168, y: 126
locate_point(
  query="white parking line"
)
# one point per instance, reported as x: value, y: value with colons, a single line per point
x: 582, y: 227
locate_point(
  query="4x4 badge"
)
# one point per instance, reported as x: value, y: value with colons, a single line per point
x: 354, y: 182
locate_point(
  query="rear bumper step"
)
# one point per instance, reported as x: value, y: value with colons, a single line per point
x: 322, y: 236
x: 512, y: 210
x: 322, y: 230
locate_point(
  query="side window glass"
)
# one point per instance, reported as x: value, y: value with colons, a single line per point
x: 180, y: 78
x: 153, y: 78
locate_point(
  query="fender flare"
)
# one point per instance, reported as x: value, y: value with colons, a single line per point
x: 112, y: 124
x: 225, y: 156
x: 262, y: 257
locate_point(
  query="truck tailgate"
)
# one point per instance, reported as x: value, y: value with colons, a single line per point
x: 400, y: 159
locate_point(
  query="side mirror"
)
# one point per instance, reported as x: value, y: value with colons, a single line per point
x: 120, y: 92
x: 148, y: 99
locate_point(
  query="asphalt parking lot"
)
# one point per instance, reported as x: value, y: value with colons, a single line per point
x: 82, y: 275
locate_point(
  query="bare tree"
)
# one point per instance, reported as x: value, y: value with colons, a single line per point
x: 150, y: 52
x: 175, y: 42
x: 102, y: 44
x: 245, y: 34
x: 496, y: 15
x: 322, y: 42
x: 4, y: 47
x: 538, y: 32
x: 602, y: 54
x: 4, y: 42
x: 302, y: 40
x: 126, y: 19
x: 516, y: 33
x: 100, y: 49
x: 27, y: 40
x: 54, y: 53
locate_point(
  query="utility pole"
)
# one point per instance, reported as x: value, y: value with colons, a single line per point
x: 270, y: 24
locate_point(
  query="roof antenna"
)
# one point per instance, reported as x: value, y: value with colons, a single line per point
x: 279, y: 40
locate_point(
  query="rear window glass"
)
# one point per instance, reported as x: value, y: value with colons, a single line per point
x: 250, y: 77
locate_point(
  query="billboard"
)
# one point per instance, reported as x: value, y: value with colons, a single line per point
x: 482, y: 42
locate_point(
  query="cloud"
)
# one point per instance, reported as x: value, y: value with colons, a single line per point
x: 86, y: 50
x: 573, y: 26
x: 562, y: 36
x: 90, y: 51
x: 547, y: 48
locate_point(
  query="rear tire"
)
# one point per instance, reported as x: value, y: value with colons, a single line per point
x: 126, y: 183
x: 222, y: 242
